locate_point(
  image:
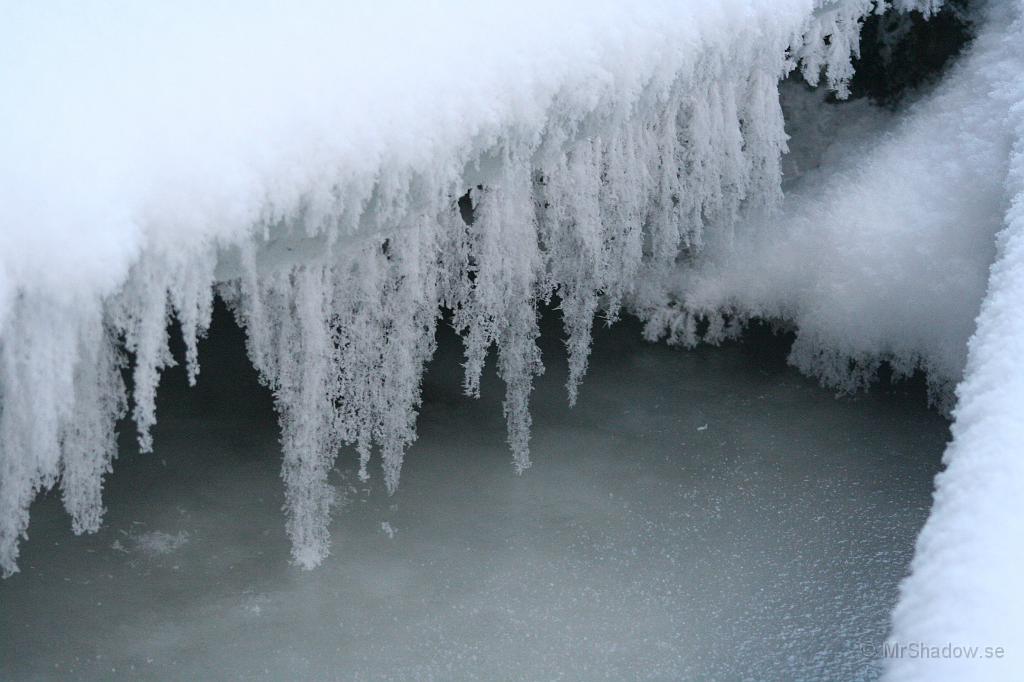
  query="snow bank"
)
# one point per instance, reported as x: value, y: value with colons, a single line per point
x: 964, y: 589
x: 308, y: 162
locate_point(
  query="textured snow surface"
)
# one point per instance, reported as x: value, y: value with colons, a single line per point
x: 310, y: 160
x: 965, y: 584
x: 881, y: 249
x: 308, y: 163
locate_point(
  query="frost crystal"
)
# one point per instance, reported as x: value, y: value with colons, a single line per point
x: 594, y: 158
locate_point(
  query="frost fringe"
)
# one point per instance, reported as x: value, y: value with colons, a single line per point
x: 602, y: 200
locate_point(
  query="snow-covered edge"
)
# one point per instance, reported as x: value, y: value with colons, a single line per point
x: 604, y: 198
x: 958, y: 617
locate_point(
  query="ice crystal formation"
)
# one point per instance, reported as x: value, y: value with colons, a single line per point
x: 595, y: 180
x: 338, y: 260
x: 346, y: 196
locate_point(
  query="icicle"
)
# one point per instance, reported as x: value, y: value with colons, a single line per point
x: 625, y: 194
x: 140, y: 313
x: 410, y: 309
x: 764, y: 140
x: 502, y: 306
x: 305, y: 398
x: 287, y: 320
x: 37, y: 362
x: 191, y: 293
x: 358, y: 326
x: 928, y: 8
x: 670, y: 214
x: 831, y: 41
x: 572, y: 235
x: 833, y: 367
x: 343, y: 346
x: 89, y: 439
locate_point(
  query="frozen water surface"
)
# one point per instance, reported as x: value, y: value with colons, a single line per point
x: 699, y: 514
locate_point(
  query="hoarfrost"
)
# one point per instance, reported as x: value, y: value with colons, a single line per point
x: 336, y: 235
x: 879, y: 253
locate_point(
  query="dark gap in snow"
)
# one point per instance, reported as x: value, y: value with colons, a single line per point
x: 766, y: 343
x: 466, y: 207
x: 227, y: 380
x: 769, y: 344
x: 902, y: 51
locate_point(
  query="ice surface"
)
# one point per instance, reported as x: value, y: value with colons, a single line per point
x: 310, y: 160
x: 768, y: 546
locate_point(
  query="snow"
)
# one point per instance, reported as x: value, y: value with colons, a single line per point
x: 964, y: 586
x: 309, y: 161
x: 881, y: 251
x: 307, y: 164
x: 878, y: 253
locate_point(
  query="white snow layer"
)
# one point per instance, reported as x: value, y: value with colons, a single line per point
x: 308, y: 162
x: 964, y: 589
